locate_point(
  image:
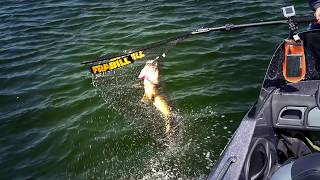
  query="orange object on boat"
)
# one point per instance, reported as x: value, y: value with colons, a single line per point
x: 294, y: 64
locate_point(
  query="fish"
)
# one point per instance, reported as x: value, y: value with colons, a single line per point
x: 150, y: 76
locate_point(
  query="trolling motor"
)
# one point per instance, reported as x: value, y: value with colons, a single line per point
x: 294, y: 63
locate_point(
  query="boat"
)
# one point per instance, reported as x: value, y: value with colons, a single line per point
x: 279, y: 137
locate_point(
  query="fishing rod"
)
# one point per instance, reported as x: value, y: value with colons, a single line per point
x: 107, y: 63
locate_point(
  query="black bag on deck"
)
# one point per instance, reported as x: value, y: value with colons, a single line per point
x: 291, y: 148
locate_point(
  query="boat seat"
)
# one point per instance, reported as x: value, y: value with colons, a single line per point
x: 304, y: 168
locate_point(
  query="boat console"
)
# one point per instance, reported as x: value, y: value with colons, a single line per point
x: 295, y: 106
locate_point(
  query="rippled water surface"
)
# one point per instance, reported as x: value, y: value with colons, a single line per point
x: 55, y: 124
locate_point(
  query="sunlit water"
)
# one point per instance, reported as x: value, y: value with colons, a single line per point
x: 55, y: 123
